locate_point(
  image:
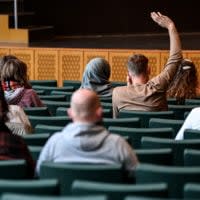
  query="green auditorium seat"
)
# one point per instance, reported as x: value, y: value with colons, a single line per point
x: 13, y: 169
x: 146, y: 116
x: 192, y: 102
x: 35, y: 151
x: 75, y: 84
x: 192, y: 191
x: 53, y: 105
x: 136, y: 134
x: 52, y: 83
x: 123, y: 122
x: 191, y: 157
x: 37, y: 187
x: 40, y: 128
x: 37, y: 197
x: 48, y: 89
x: 67, y: 94
x: 38, y: 111
x: 40, y: 92
x: 58, y: 97
x: 36, y: 139
x: 155, y: 156
x: 167, y: 123
x: 66, y: 173
x: 174, y: 176
x: 119, y: 191
x: 191, y: 134
x: 118, y: 83
x: 177, y: 146
x: 179, y: 110
x: 49, y: 120
x: 106, y: 99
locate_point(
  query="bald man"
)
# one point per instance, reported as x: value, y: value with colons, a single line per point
x: 83, y: 140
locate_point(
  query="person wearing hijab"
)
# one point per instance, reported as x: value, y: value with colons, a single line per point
x: 96, y: 77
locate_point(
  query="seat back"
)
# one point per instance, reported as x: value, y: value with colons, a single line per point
x: 75, y: 84
x: 53, y: 105
x: 49, y: 120
x: 37, y: 111
x: 174, y: 176
x: 145, y: 115
x: 177, y: 146
x: 119, y: 191
x: 155, y: 156
x: 179, y: 110
x: 135, y: 134
x: 36, y: 139
x: 35, y: 151
x: 50, y: 83
x: 40, y: 128
x: 55, y: 97
x: 166, y: 123
x: 48, y: 89
x: 66, y: 173
x: 37, y: 197
x: 192, y: 102
x: 13, y: 169
x: 192, y: 191
x: 191, y: 157
x: 123, y: 122
x: 191, y: 134
x: 37, y: 187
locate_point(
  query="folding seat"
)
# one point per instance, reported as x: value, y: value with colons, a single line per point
x: 75, y: 84
x: 191, y: 157
x: 52, y: 83
x: 145, y: 116
x: 118, y: 191
x: 36, y: 139
x: 37, y: 111
x: 191, y: 134
x: 192, y: 191
x: 55, y: 97
x: 175, y: 177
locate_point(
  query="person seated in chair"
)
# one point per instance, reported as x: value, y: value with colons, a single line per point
x: 85, y: 140
x: 96, y: 77
x: 14, y: 81
x: 185, y: 82
x: 141, y: 93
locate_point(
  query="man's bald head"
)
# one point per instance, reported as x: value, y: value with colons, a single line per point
x: 85, y: 105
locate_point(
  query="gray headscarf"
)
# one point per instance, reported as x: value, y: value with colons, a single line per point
x: 96, y: 77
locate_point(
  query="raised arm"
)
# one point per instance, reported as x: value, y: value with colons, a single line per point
x: 166, y: 22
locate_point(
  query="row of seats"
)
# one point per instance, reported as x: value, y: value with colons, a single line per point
x: 86, y: 179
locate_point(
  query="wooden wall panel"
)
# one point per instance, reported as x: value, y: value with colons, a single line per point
x: 89, y: 54
x: 68, y: 64
x: 4, y: 51
x: 46, y: 64
x: 26, y: 55
x: 118, y: 62
x: 71, y: 65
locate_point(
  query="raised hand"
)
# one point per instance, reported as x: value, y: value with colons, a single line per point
x: 162, y: 20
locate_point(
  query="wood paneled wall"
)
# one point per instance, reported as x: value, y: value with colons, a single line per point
x: 68, y: 64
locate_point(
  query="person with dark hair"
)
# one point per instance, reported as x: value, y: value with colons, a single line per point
x: 141, y: 93
x: 184, y: 84
x: 14, y: 80
x: 96, y: 77
x: 12, y: 146
x: 85, y: 140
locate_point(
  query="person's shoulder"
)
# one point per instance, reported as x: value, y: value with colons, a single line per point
x: 196, y: 110
x: 116, y: 137
x: 119, y: 89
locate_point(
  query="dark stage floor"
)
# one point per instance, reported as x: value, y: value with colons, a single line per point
x: 190, y: 41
